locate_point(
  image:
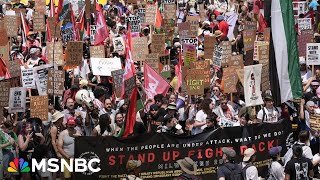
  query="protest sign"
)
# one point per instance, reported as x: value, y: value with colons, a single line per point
x: 230, y: 79
x: 27, y: 77
x: 315, y: 122
x: 117, y: 76
x: 202, y: 12
x: 304, y: 23
x: 189, y: 54
x: 236, y: 61
x: 39, y: 107
x: 134, y: 22
x: 193, y: 41
x: 14, y: 81
x: 305, y: 37
x: 150, y: 17
x: 265, y: 82
x: 249, y: 36
x: 55, y: 85
x: 14, y: 68
x: 104, y: 66
x: 67, y: 33
x: 153, y: 61
x: 74, y: 53
x: 17, y: 98
x: 119, y: 46
x: 158, y: 43
x: 164, y: 60
x: 203, y: 68
x: 168, y: 28
x: 129, y: 84
x: 170, y: 11
x: 313, y: 54
x: 38, y: 22
x: 209, y: 44
x: 41, y: 78
x: 4, y: 34
x: 55, y: 53
x: 217, y: 56
x: 240, y: 73
x: 4, y: 53
x: 263, y: 54
x: 226, y: 52
x: 160, y: 151
x: 184, y: 30
x: 40, y: 6
x: 97, y: 52
x: 139, y: 48
x: 249, y: 58
x: 4, y: 94
x: 194, y: 23
x: 195, y: 83
x: 252, y: 82
x: 142, y: 14
x: 250, y: 25
x: 11, y: 25
x: 266, y: 34
x: 93, y: 30
x: 87, y: 9
x: 257, y: 45
x: 168, y: 1
x: 132, y: 1
x: 53, y: 27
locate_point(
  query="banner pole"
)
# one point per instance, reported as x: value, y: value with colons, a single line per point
x: 312, y: 70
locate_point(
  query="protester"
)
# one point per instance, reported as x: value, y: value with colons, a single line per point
x: 269, y: 113
x: 229, y: 168
x: 133, y: 168
x: 188, y: 168
x: 250, y: 171
x: 276, y: 170
x: 103, y: 128
x: 206, y: 108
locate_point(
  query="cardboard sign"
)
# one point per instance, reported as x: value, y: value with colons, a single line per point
x: 236, y: 61
x: 104, y: 66
x: 209, y: 44
x: 4, y: 35
x: 250, y: 25
x: 313, y: 54
x: 230, y: 79
x: 97, y: 52
x: 168, y: 28
x: 53, y: 27
x: 240, y: 73
x: 41, y: 78
x: 55, y: 53
x: 164, y: 60
x: 203, y: 68
x: 129, y: 84
x: 170, y: 11
x: 17, y: 101
x: 11, y: 25
x: 315, y: 122
x: 226, y: 52
x: 249, y: 36
x: 38, y: 22
x: 266, y: 34
x: 257, y: 44
x: 39, y: 107
x: 55, y: 85
x: 304, y: 23
x: 87, y: 9
x: 158, y: 43
x: 132, y: 1
x: 153, y: 61
x: 27, y: 78
x: 193, y: 41
x: 14, y: 68
x: 139, y: 49
x: 119, y: 45
x: 217, y: 56
x: 4, y: 53
x: 142, y: 14
x: 194, y: 24
x: 305, y: 37
x: 134, y: 22
x: 202, y: 12
x: 189, y: 54
x: 40, y: 6
x: 150, y: 17
x: 117, y: 76
x: 248, y: 58
x: 265, y: 82
x: 263, y: 54
x: 93, y: 30
x: 184, y: 30
x: 4, y: 94
x: 194, y: 82
x: 74, y: 53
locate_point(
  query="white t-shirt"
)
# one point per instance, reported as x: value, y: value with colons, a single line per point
x: 201, y: 116
x: 270, y: 115
x: 277, y: 170
x: 251, y: 172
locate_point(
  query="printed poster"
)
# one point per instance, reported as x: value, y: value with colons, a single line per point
x: 313, y: 54
x: 252, y: 82
x: 17, y: 98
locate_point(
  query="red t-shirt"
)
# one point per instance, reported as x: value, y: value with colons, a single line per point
x: 224, y: 27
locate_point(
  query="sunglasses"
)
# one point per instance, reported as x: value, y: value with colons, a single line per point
x: 215, y: 90
x: 223, y: 103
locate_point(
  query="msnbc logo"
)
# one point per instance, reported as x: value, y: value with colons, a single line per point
x: 17, y: 164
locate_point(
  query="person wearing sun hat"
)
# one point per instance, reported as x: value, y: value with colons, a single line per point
x: 133, y: 168
x: 249, y: 170
x: 224, y: 171
x: 188, y: 168
x: 276, y: 170
x: 54, y: 130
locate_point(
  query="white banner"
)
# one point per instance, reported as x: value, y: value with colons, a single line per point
x: 252, y: 82
x: 313, y: 54
x: 41, y: 78
x: 104, y: 66
x: 17, y: 99
x: 27, y: 77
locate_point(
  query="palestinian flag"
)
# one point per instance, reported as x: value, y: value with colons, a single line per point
x: 284, y: 60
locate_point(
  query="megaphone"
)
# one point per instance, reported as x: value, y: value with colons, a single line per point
x: 82, y: 96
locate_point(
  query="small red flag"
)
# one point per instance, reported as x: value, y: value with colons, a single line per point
x: 131, y: 115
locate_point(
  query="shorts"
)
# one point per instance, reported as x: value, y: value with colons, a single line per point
x: 66, y: 172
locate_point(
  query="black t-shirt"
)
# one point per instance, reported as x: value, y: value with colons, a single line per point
x: 298, y: 168
x: 225, y: 170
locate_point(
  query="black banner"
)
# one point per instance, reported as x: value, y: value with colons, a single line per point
x: 159, y: 152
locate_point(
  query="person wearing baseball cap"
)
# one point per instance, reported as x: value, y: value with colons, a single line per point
x: 269, y: 113
x: 276, y: 170
x: 250, y: 171
x: 133, y: 168
x: 224, y: 171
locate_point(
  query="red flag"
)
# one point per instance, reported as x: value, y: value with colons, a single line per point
x: 76, y: 33
x: 52, y: 10
x: 101, y: 29
x: 3, y: 68
x: 81, y: 23
x: 262, y: 23
x: 98, y: 7
x: 158, y: 19
x: 25, y: 32
x: 153, y: 83
x: 178, y: 72
x: 131, y: 115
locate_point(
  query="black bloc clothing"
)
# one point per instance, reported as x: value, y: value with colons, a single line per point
x: 298, y: 168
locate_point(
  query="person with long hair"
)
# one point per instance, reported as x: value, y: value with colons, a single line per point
x: 104, y: 128
x: 206, y: 108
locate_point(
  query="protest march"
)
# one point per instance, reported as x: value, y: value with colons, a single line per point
x: 159, y: 89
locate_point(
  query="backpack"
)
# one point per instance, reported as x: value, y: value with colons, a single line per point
x: 270, y: 175
x: 264, y: 112
x: 236, y: 173
x: 244, y: 170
